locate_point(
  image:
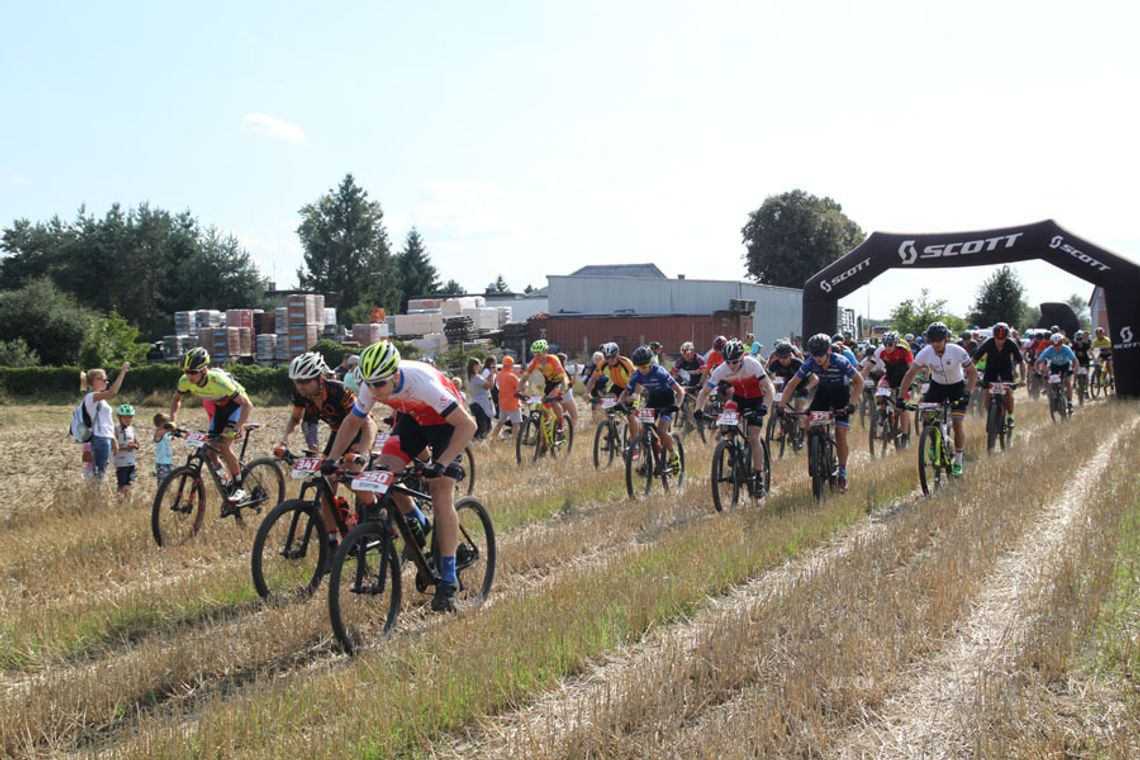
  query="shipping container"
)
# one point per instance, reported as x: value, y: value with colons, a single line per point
x: 582, y: 335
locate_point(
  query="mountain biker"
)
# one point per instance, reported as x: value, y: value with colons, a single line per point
x: 553, y: 375
x: 893, y: 360
x: 952, y: 376
x: 1002, y: 356
x: 431, y: 413
x: 1060, y: 358
x: 750, y: 385
x: 663, y: 391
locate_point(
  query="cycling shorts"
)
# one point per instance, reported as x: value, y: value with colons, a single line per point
x: 351, y: 447
x: 225, y: 415
x: 550, y: 387
x: 956, y: 392
x: 832, y: 399
x: 660, y: 400
x: 411, y: 438
x: 745, y: 405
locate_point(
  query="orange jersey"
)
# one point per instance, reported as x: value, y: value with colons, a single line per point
x: 712, y: 361
x: 508, y: 383
x: 619, y: 374
x: 549, y: 367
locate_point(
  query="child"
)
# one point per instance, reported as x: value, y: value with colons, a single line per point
x: 88, y: 462
x: 124, y: 448
x: 163, y: 447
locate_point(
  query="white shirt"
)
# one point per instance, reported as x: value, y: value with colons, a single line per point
x: 125, y: 457
x: 102, y: 426
x: 947, y: 369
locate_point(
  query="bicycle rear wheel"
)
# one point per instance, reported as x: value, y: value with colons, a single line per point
x: 263, y: 483
x: 567, y: 439
x: 759, y: 488
x: 475, y: 553
x: 289, y: 551
x: 667, y: 472
x: 364, y: 586
x: 606, y: 445
x: 465, y: 486
x: 930, y: 456
x: 725, y: 479
x: 178, y: 508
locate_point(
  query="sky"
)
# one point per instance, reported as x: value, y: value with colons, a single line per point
x: 533, y: 138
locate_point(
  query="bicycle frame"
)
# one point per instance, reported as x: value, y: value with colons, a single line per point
x: 206, y: 452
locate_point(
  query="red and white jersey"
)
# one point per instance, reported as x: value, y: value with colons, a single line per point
x: 423, y: 393
x: 745, y: 379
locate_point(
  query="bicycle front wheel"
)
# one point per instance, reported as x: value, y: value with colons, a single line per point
x: 525, y: 439
x: 289, y: 551
x: 994, y: 423
x: 475, y: 553
x: 639, y: 467
x: 668, y: 472
x: 606, y: 445
x: 263, y: 483
x: 465, y: 486
x: 817, y: 465
x: 364, y: 586
x: 930, y: 458
x: 178, y: 508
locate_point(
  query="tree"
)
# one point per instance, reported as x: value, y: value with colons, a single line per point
x: 346, y: 250
x: 498, y: 286
x: 52, y: 323
x: 16, y: 353
x: 1080, y: 307
x: 912, y: 317
x: 1000, y: 299
x: 794, y: 235
x: 452, y: 288
x: 110, y: 341
x: 529, y: 289
x: 417, y: 276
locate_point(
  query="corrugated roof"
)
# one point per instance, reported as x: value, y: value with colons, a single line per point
x: 620, y: 270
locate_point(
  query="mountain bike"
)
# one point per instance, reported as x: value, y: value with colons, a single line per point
x: 646, y: 458
x: 463, y: 485
x: 935, y: 459
x: 732, y: 472
x: 610, y: 436
x: 866, y: 404
x: 885, y: 428
x: 540, y: 433
x: 366, y: 575
x: 782, y: 429
x: 1082, y: 381
x: 1058, y: 406
x: 998, y: 431
x: 686, y: 420
x: 1101, y: 379
x: 180, y: 503
x: 823, y: 460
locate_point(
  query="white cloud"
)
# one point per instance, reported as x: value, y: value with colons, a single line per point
x: 278, y: 129
x: 465, y: 208
x: 13, y: 179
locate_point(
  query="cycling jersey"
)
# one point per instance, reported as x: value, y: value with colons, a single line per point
x: 332, y: 403
x: 776, y: 369
x: 1082, y: 350
x: 837, y: 373
x: 219, y: 387
x: 423, y: 393
x: 655, y: 380
x: 688, y: 371
x: 1058, y: 356
x: 549, y: 366
x: 712, y: 359
x: 1102, y: 346
x: 618, y: 374
x: 999, y: 362
x: 745, y: 378
x: 894, y: 361
x: 947, y: 369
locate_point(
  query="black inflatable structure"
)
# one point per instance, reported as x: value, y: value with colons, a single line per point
x: 1045, y: 240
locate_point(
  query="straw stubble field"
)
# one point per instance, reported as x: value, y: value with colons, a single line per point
x: 995, y: 619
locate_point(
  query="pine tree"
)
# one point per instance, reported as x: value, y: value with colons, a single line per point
x: 417, y: 275
x: 999, y: 299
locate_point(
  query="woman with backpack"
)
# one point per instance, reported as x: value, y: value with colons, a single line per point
x: 102, y: 426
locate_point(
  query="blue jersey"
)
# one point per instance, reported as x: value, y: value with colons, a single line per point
x: 657, y: 379
x: 1058, y: 356
x: 837, y: 374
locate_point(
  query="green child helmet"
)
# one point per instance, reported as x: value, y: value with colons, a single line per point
x: 125, y: 410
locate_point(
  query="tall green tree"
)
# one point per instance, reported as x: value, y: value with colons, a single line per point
x: 452, y: 288
x: 51, y: 323
x: 417, y: 275
x: 1000, y: 299
x: 346, y: 251
x: 794, y: 235
x: 912, y: 316
x: 1080, y: 306
x: 498, y: 286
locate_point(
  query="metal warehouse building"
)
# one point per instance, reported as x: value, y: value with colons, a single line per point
x: 635, y: 303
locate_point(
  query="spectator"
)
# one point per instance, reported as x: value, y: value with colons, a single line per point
x: 163, y: 447
x: 508, y: 383
x: 102, y: 425
x: 478, y: 388
x: 126, y: 449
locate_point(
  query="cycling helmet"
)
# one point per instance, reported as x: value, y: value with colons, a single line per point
x: 687, y: 346
x: 783, y: 348
x: 937, y: 331
x: 847, y: 336
x: 125, y: 410
x: 718, y: 343
x: 540, y: 346
x: 1099, y: 330
x: 306, y: 366
x: 733, y: 350
x: 597, y: 357
x: 642, y: 356
x: 818, y: 344
x: 196, y: 358
x: 654, y: 345
x: 908, y: 337
x: 1054, y: 329
x: 837, y: 338
x: 891, y: 339
x: 1080, y: 335
x: 379, y: 362
x: 1001, y: 330
x: 610, y: 350
x: 1056, y: 338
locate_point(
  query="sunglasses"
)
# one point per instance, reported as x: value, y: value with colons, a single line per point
x: 377, y: 383
x: 195, y: 371
x: 733, y: 362
x: 644, y: 367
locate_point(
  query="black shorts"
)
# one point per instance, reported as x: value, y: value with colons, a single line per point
x: 225, y: 415
x: 1063, y: 371
x: 956, y: 393
x: 993, y: 376
x: 550, y: 387
x: 746, y: 405
x: 414, y: 437
x: 332, y: 440
x: 828, y: 399
x: 660, y: 400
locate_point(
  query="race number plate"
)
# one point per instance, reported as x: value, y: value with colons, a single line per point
x: 999, y: 387
x: 683, y: 376
x: 305, y: 467
x: 925, y: 388
x: 929, y: 406
x: 196, y: 440
x: 778, y: 382
x: 728, y: 419
x: 779, y: 396
x: 883, y: 390
x: 645, y: 414
x: 609, y: 403
x: 1054, y: 378
x: 1083, y: 371
x: 381, y: 438
x: 374, y: 481
x: 815, y: 419
x: 532, y: 400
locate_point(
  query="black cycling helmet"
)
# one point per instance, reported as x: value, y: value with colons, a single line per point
x: 818, y: 344
x: 937, y: 331
x: 1001, y: 330
x: 733, y: 350
x: 837, y: 338
x: 642, y: 355
x: 718, y: 343
x: 1054, y: 329
x: 654, y: 346
x: 783, y: 348
x: 891, y: 339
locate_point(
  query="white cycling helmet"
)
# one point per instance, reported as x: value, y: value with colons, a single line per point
x: 597, y: 357
x: 306, y: 366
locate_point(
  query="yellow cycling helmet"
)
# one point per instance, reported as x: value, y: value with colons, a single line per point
x: 379, y: 362
x: 196, y: 358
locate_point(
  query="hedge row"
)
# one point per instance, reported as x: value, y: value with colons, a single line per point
x: 41, y: 382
